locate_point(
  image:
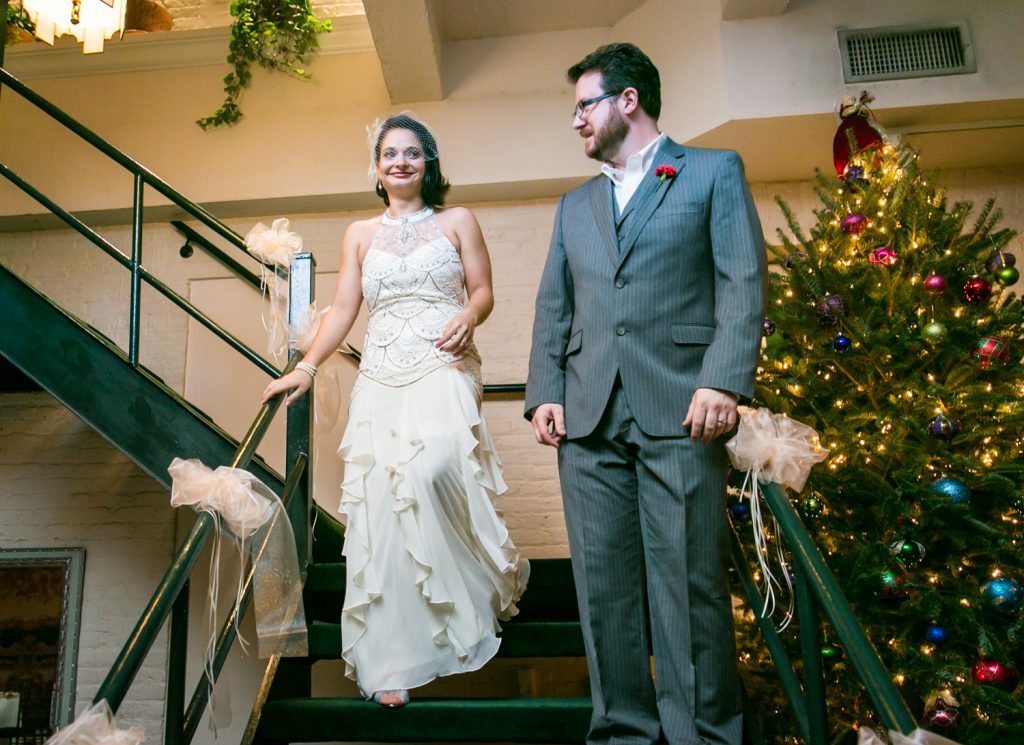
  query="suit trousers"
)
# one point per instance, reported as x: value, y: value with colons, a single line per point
x: 647, y: 529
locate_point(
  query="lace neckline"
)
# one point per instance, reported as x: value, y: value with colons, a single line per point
x: 415, y: 217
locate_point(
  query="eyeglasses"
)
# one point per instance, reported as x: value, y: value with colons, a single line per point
x: 583, y: 107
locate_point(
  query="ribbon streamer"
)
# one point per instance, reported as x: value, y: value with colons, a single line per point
x: 772, y: 447
x: 276, y: 246
x: 97, y: 726
x: 253, y: 516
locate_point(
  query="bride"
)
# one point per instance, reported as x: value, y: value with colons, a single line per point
x: 430, y: 565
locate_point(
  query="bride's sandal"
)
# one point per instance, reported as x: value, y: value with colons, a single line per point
x: 391, y: 699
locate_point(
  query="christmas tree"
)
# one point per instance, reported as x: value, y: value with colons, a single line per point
x: 892, y: 333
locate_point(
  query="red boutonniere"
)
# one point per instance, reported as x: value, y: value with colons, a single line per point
x: 664, y: 172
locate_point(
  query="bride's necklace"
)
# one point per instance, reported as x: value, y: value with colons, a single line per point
x: 406, y: 238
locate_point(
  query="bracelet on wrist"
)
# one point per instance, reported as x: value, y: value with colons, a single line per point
x: 307, y: 368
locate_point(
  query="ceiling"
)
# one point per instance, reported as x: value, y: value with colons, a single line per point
x: 480, y: 19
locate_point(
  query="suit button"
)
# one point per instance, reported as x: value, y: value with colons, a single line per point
x: 621, y: 331
x: 620, y: 283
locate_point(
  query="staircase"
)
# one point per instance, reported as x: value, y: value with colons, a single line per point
x: 545, y: 633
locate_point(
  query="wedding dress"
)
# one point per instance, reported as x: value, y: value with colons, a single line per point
x: 430, y: 565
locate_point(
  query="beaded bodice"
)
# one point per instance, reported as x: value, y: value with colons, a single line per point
x: 413, y: 283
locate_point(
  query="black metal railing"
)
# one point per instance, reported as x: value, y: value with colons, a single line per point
x: 169, y: 603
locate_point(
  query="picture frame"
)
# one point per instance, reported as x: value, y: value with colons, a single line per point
x: 41, y: 592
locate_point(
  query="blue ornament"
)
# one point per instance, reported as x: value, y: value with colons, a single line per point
x: 740, y: 511
x: 955, y: 489
x: 841, y: 343
x: 937, y: 634
x: 1003, y: 594
x: 854, y: 173
x: 767, y: 327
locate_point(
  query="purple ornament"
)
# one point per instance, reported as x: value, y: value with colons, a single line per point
x: 884, y: 256
x: 853, y: 223
x: 853, y: 173
x: 831, y: 308
x: 943, y: 427
x: 767, y: 327
x: 935, y: 284
x: 999, y: 260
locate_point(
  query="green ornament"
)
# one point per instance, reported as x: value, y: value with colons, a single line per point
x: 811, y: 507
x: 830, y: 653
x: 933, y: 332
x: 1007, y: 275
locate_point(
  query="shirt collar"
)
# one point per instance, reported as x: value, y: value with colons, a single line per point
x: 637, y: 164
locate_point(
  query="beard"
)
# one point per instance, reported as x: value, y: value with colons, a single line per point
x: 608, y: 138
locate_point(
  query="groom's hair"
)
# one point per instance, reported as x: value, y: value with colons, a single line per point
x: 624, y: 66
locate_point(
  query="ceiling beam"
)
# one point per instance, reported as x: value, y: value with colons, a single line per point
x: 407, y: 36
x: 741, y: 10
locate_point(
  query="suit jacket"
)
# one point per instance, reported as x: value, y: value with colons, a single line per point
x: 671, y: 302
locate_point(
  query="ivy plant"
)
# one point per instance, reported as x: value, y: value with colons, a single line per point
x: 275, y: 34
x: 17, y: 18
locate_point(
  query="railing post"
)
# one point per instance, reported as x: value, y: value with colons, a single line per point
x: 810, y: 648
x: 136, y: 287
x: 174, y: 709
x: 301, y: 294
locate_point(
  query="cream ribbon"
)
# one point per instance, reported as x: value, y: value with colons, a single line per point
x: 253, y: 515
x: 919, y: 736
x: 276, y: 246
x: 97, y: 726
x: 772, y: 447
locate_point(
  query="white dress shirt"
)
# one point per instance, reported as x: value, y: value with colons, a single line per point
x: 627, y: 180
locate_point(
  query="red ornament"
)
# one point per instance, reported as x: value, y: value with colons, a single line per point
x: 883, y: 256
x: 935, y: 284
x: 855, y: 133
x: 994, y: 673
x: 977, y: 289
x: 664, y: 172
x: 853, y: 223
x: 990, y: 351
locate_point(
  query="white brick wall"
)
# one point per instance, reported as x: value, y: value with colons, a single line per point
x: 189, y: 15
x: 62, y: 485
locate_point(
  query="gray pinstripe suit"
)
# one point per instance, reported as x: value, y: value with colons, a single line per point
x: 634, y: 312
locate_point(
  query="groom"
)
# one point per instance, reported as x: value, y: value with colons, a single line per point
x: 647, y: 332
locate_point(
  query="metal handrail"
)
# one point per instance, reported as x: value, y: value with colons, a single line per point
x: 195, y: 239
x: 139, y: 273
x: 153, y: 618
x: 817, y: 588
x: 145, y: 175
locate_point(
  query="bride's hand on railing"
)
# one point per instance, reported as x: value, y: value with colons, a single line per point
x: 297, y: 381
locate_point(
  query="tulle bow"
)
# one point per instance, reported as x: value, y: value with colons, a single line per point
x: 919, y: 736
x: 772, y: 447
x: 254, y: 518
x: 276, y: 246
x: 97, y: 726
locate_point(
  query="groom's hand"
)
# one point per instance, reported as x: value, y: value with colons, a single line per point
x: 712, y: 413
x: 549, y: 424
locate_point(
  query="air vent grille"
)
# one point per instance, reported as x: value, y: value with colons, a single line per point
x: 906, y: 52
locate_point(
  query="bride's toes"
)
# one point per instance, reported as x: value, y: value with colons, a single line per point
x: 391, y: 699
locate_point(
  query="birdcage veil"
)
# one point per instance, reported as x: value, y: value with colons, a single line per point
x: 404, y: 120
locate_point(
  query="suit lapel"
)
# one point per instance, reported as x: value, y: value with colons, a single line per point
x: 604, y: 214
x: 652, y: 190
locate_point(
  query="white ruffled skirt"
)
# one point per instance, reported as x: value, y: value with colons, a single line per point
x: 430, y: 565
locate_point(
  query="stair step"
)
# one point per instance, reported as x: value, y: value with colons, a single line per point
x: 518, y: 639
x: 536, y: 720
x: 550, y: 594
